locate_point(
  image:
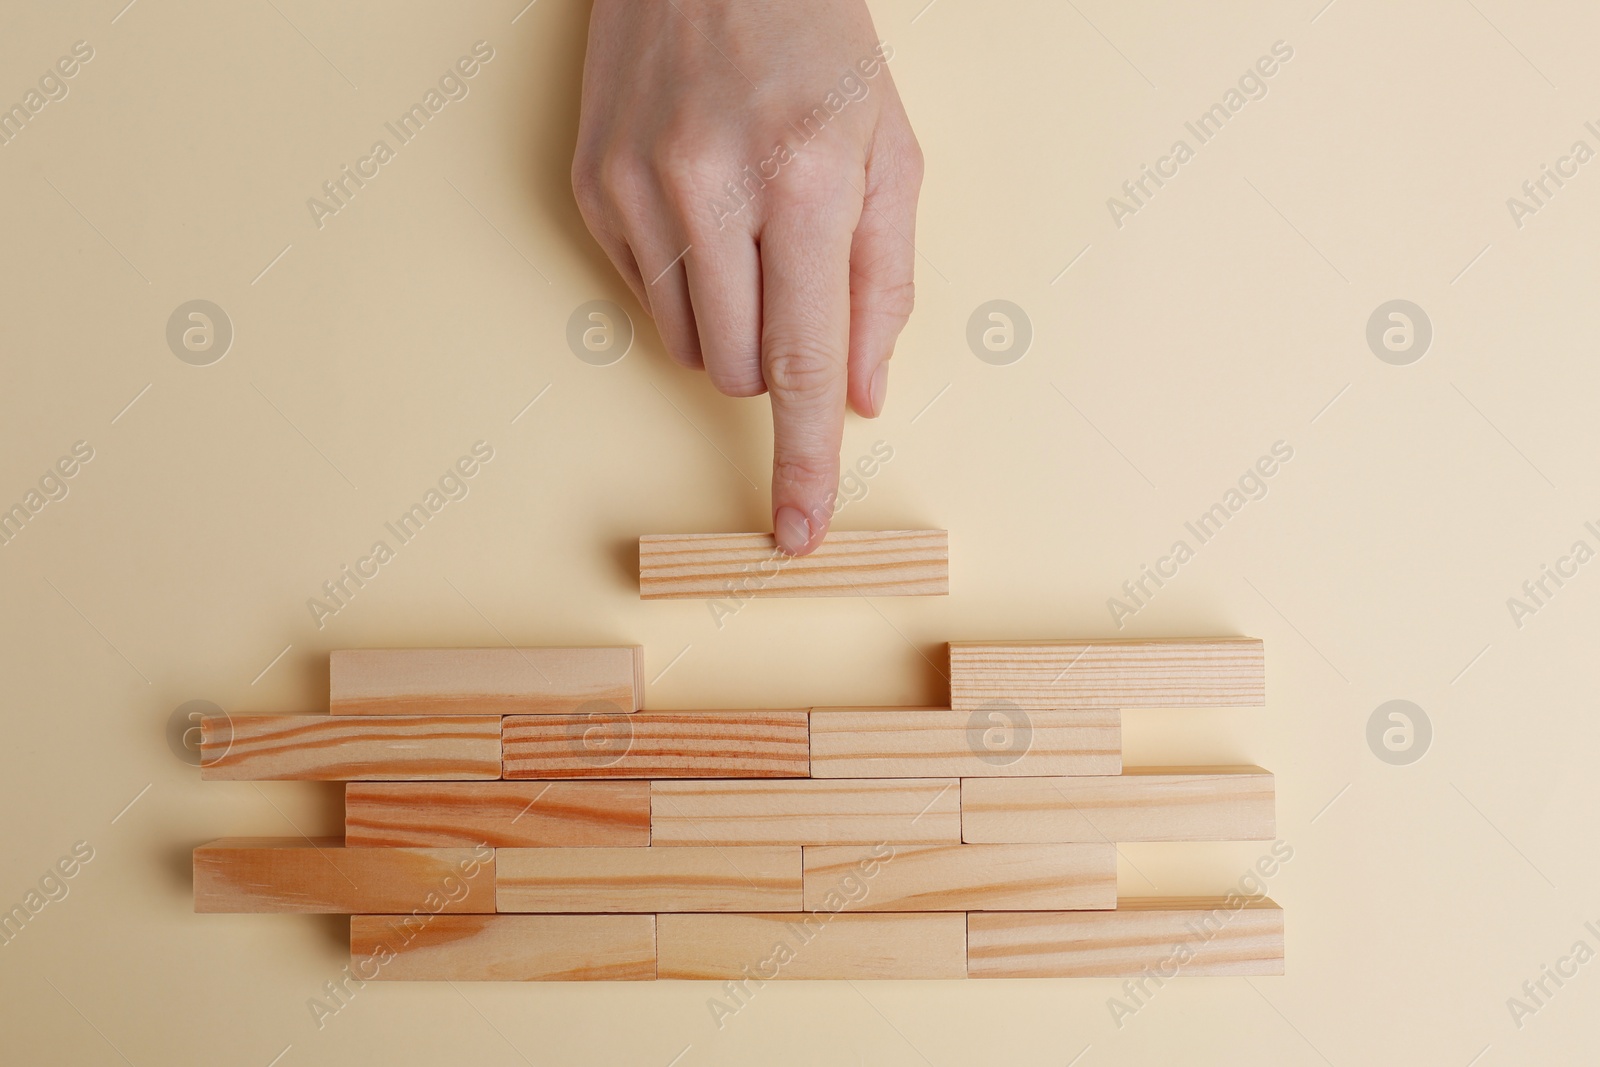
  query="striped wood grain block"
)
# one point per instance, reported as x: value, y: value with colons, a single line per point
x: 1164, y: 936
x: 1140, y: 804
x: 659, y: 744
x: 847, y: 563
x: 335, y: 748
x: 1038, y: 675
x: 498, y: 814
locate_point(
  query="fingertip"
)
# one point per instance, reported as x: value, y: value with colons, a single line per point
x: 878, y: 392
x: 792, y: 531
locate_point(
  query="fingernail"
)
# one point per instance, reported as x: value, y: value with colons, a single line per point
x: 879, y: 388
x: 791, y: 529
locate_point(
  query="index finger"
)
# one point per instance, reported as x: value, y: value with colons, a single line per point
x: 805, y: 344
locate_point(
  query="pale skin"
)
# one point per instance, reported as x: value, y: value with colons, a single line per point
x: 798, y: 278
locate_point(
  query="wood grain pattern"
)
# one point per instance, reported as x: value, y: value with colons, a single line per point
x: 504, y: 948
x: 647, y: 879
x: 498, y: 814
x: 938, y: 742
x: 962, y: 877
x: 331, y: 748
x: 1038, y: 675
x: 659, y: 744
x: 1141, y: 804
x: 1171, y: 936
x: 807, y: 945
x: 848, y: 563
x: 809, y: 811
x: 484, y: 681
x: 267, y: 874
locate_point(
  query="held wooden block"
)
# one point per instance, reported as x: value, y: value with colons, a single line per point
x: 647, y: 879
x: 299, y: 874
x: 1141, y: 804
x: 811, y: 945
x: 498, y: 814
x: 504, y: 948
x: 961, y: 877
x: 806, y: 811
x: 932, y: 742
x: 848, y: 563
x: 1038, y: 675
x: 332, y: 748
x: 1171, y: 936
x: 484, y: 681
x: 659, y: 744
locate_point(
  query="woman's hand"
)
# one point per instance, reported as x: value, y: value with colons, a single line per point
x: 749, y: 169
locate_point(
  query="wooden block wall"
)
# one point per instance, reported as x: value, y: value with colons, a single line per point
x: 510, y: 815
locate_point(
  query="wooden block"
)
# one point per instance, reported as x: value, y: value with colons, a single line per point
x: 647, y: 879
x: 1171, y: 936
x: 960, y: 877
x: 808, y: 811
x: 332, y: 748
x: 484, y: 681
x: 504, y: 948
x: 498, y: 814
x: 937, y: 742
x: 810, y: 945
x: 848, y: 563
x: 1141, y: 804
x: 658, y: 744
x: 1038, y: 675
x: 272, y: 874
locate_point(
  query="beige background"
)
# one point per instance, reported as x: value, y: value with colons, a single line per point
x: 1228, y: 314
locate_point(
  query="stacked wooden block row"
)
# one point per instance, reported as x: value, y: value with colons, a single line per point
x: 512, y: 815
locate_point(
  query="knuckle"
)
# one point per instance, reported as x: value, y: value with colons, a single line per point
x: 893, y: 303
x: 801, y: 370
x: 737, y: 383
x: 794, y: 468
x: 621, y: 184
